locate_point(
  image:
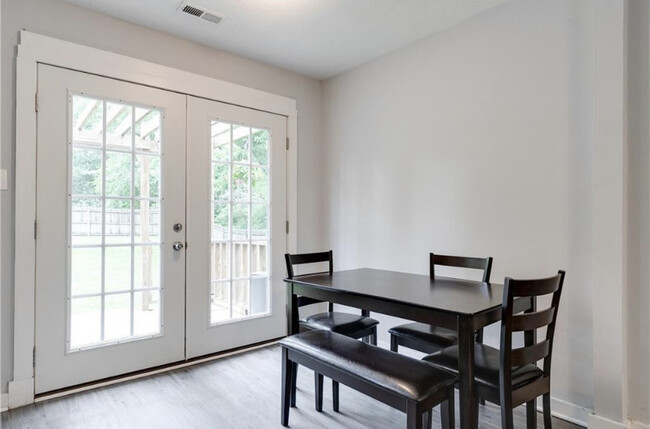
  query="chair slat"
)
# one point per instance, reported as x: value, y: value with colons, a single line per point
x: 531, y: 321
x: 530, y: 354
x: 537, y: 287
x: 459, y: 261
x: 530, y: 391
x: 484, y: 264
x: 309, y: 258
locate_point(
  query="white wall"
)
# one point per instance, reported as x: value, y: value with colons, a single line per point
x: 56, y: 19
x: 638, y: 298
x: 476, y: 141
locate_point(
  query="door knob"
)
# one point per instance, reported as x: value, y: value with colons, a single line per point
x: 178, y: 246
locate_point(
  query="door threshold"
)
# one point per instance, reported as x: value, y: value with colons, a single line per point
x: 150, y: 371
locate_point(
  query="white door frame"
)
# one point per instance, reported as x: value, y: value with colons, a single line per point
x: 34, y: 49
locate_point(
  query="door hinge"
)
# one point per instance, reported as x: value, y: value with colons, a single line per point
x: 34, y: 357
x: 287, y: 143
x: 36, y: 102
x: 34, y: 229
x: 287, y: 227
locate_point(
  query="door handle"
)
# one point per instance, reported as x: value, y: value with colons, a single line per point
x: 178, y: 246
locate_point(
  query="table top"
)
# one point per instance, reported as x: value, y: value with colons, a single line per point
x: 442, y: 293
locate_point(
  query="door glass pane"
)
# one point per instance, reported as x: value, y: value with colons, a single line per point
x: 86, y: 221
x: 86, y: 321
x: 146, y: 273
x: 118, y: 174
x: 240, y: 143
x: 239, y: 257
x: 86, y: 171
x: 221, y: 222
x: 146, y: 313
x: 240, y: 185
x: 240, y: 221
x: 220, y: 181
x: 260, y: 150
x: 147, y: 221
x: 87, y: 121
x: 220, y: 141
x: 147, y: 176
x: 117, y: 229
x: 147, y: 130
x: 86, y: 273
x: 220, y: 302
x: 260, y: 184
x: 117, y: 265
x: 117, y: 316
x: 115, y: 206
x: 119, y: 126
x: 220, y: 261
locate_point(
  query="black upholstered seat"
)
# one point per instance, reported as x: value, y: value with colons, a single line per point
x: 434, y: 335
x: 342, y: 323
x: 408, y: 384
x: 486, y: 366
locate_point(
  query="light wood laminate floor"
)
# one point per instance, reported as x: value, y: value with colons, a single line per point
x: 238, y: 392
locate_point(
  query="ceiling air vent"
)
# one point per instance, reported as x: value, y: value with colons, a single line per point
x: 200, y: 12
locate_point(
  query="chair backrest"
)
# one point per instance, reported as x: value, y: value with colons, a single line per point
x: 484, y: 264
x: 308, y: 258
x: 528, y: 322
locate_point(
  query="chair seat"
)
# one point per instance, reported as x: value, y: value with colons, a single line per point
x: 402, y: 375
x: 442, y: 337
x: 486, y: 364
x: 341, y: 323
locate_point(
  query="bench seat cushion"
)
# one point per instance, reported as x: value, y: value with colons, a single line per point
x: 405, y: 376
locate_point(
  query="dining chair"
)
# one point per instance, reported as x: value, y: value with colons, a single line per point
x: 357, y: 326
x: 510, y: 376
x: 427, y: 338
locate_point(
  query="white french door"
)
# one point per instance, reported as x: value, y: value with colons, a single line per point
x: 236, y: 226
x: 121, y: 213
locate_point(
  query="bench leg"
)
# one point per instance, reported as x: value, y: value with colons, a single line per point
x: 335, y: 396
x: 447, y: 411
x: 294, y: 378
x: 287, y: 369
x: 318, y: 387
x: 414, y: 416
x: 394, y: 345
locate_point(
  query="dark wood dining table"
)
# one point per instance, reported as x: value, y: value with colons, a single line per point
x: 452, y: 303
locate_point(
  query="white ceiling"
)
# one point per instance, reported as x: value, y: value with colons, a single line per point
x: 318, y: 38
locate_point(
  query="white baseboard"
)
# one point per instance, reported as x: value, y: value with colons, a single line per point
x: 598, y: 422
x: 631, y: 424
x: 4, y: 402
x: 567, y: 411
x: 21, y: 392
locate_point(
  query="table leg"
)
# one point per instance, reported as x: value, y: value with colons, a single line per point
x: 292, y: 311
x: 468, y: 406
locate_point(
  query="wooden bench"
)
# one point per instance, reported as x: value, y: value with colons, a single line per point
x: 404, y: 383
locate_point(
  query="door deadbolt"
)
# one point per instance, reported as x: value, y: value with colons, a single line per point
x: 178, y: 227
